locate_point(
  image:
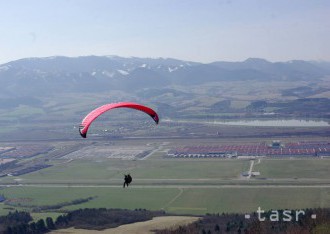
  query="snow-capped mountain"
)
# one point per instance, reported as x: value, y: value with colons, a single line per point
x: 97, y: 73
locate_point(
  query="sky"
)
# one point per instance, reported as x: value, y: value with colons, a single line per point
x: 193, y: 30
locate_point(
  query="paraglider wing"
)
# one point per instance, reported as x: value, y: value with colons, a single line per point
x: 87, y: 121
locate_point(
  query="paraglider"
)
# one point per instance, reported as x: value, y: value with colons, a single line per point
x: 128, y: 179
x: 88, y: 120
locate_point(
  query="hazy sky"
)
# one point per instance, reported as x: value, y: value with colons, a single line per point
x: 195, y: 30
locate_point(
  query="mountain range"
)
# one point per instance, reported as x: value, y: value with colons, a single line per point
x: 42, y: 76
x: 49, y: 96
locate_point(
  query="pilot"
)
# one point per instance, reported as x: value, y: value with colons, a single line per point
x: 128, y: 179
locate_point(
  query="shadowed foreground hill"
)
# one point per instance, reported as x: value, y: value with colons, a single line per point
x: 236, y: 223
x: 101, y: 219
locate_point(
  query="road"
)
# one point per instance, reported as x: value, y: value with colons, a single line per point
x: 151, y: 153
x: 251, y: 168
x: 167, y: 186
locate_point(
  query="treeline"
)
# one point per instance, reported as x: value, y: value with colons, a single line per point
x: 238, y: 224
x: 19, y: 222
x: 94, y: 219
x: 49, y: 207
x: 98, y: 219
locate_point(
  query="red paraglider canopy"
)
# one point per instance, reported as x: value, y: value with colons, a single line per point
x: 87, y: 121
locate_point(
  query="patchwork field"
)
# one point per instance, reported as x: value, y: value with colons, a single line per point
x: 178, y: 186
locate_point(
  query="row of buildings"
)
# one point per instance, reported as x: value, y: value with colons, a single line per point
x: 275, y: 149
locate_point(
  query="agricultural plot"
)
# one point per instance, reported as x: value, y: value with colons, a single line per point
x: 211, y: 200
x: 36, y: 197
x: 110, y: 152
x: 299, y: 169
x: 25, y: 151
x: 112, y: 171
x: 173, y: 200
x: 6, y: 160
x: 4, y: 149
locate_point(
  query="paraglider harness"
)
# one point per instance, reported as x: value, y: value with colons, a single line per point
x: 128, y: 179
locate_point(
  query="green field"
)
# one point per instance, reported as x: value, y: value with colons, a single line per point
x: 299, y: 168
x: 84, y: 171
x: 180, y: 186
x: 175, y: 200
x: 220, y: 200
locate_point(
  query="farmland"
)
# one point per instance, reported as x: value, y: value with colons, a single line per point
x: 89, y: 172
x: 174, y: 200
x: 178, y: 185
